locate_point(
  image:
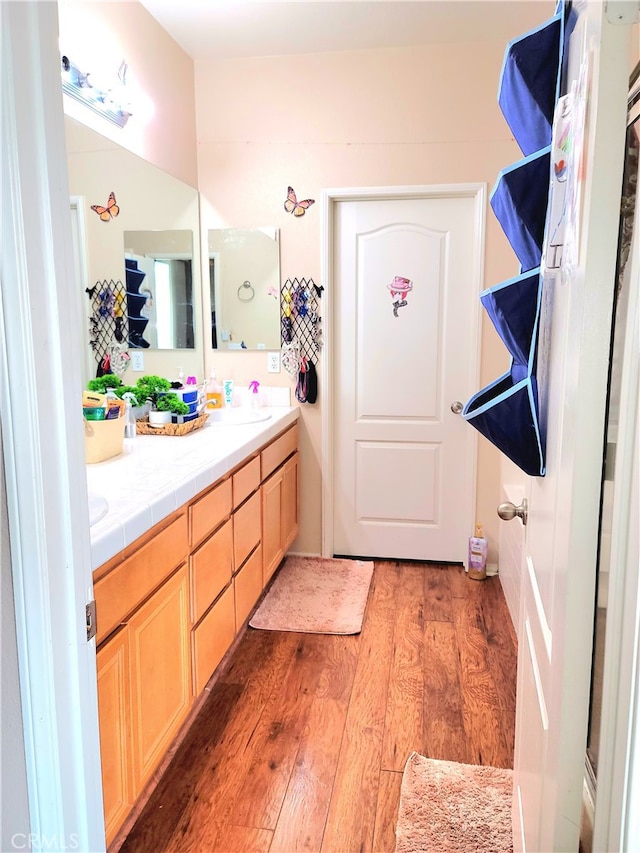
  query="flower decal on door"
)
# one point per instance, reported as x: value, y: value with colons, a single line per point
x: 399, y: 288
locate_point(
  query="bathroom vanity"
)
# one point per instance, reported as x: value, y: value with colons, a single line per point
x: 219, y: 509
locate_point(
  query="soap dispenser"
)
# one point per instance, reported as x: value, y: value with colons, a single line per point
x: 213, y: 392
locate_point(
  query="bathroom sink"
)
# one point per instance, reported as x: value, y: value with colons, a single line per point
x: 98, y: 508
x: 235, y: 417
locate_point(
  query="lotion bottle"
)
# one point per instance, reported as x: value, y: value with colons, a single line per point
x: 213, y: 393
x: 478, y: 547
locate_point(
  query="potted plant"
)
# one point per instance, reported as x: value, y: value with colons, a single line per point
x: 102, y: 384
x: 167, y: 404
x: 151, y: 388
x: 163, y: 403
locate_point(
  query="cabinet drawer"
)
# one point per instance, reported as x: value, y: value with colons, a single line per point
x: 123, y: 588
x: 246, y: 529
x: 248, y: 584
x: 211, y: 569
x: 208, y: 511
x: 275, y: 453
x: 245, y: 481
x: 211, y: 639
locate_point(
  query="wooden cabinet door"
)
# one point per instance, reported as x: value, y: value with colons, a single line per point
x: 290, y: 501
x: 246, y: 530
x: 211, y: 569
x: 160, y: 673
x: 114, y: 709
x: 271, y: 524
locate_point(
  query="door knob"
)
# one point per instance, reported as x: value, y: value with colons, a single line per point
x: 456, y: 407
x: 507, y: 511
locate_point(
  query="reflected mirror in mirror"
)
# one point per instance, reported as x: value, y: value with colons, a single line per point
x: 159, y: 289
x: 244, y: 277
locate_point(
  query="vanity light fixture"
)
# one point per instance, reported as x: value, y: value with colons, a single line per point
x: 108, y: 103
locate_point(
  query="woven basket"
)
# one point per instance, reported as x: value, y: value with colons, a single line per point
x: 143, y: 428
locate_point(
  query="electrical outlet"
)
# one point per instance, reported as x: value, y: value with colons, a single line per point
x: 273, y: 362
x: 137, y: 360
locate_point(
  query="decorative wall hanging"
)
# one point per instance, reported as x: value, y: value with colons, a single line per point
x: 301, y: 334
x: 507, y: 411
x: 298, y: 208
x: 136, y: 304
x: 108, y: 328
x: 109, y: 212
x: 399, y: 289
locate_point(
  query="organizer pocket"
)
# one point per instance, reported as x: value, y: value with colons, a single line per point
x: 529, y: 83
x: 519, y: 201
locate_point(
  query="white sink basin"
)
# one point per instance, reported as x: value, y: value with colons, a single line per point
x: 240, y: 415
x: 98, y: 508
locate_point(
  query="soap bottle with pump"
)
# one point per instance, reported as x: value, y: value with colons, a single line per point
x: 478, y: 547
x: 213, y: 393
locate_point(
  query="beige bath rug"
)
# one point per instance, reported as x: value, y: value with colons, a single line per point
x: 316, y: 595
x: 447, y: 807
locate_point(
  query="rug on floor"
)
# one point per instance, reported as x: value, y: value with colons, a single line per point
x: 446, y: 807
x: 316, y: 595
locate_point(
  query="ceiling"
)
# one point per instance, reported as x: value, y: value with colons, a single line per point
x: 228, y: 29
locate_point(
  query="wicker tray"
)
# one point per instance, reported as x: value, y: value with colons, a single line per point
x: 143, y: 428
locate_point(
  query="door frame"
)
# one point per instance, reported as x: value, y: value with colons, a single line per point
x: 42, y: 443
x: 330, y: 198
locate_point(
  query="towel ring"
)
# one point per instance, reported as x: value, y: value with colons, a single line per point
x: 246, y: 297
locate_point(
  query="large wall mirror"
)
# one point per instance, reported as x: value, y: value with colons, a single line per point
x: 244, y: 283
x: 122, y: 205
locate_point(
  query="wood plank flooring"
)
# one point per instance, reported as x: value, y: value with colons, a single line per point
x: 301, y: 743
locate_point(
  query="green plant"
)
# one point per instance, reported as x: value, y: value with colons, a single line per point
x: 171, y: 403
x: 103, y: 383
x: 151, y: 388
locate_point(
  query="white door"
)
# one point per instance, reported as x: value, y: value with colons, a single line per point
x: 558, y: 584
x: 407, y: 272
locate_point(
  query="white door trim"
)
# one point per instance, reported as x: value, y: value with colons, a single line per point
x: 43, y: 444
x: 330, y: 197
x: 616, y: 786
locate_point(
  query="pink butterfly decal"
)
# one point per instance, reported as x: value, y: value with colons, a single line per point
x: 298, y: 208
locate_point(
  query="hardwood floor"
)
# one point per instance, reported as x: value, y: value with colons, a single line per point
x: 302, y: 741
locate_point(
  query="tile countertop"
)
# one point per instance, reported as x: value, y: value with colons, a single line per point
x: 155, y: 475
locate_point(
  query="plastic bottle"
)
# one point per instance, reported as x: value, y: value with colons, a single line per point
x: 478, y: 547
x: 254, y: 394
x: 130, y: 429
x: 213, y: 393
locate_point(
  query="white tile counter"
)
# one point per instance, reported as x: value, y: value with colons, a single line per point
x: 156, y: 475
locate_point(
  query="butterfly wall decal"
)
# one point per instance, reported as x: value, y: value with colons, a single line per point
x: 298, y: 208
x: 108, y: 212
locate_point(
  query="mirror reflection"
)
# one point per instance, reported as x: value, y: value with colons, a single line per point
x: 122, y: 204
x: 244, y: 280
x: 159, y: 289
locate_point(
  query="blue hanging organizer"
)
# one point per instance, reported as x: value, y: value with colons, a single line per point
x: 506, y: 411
